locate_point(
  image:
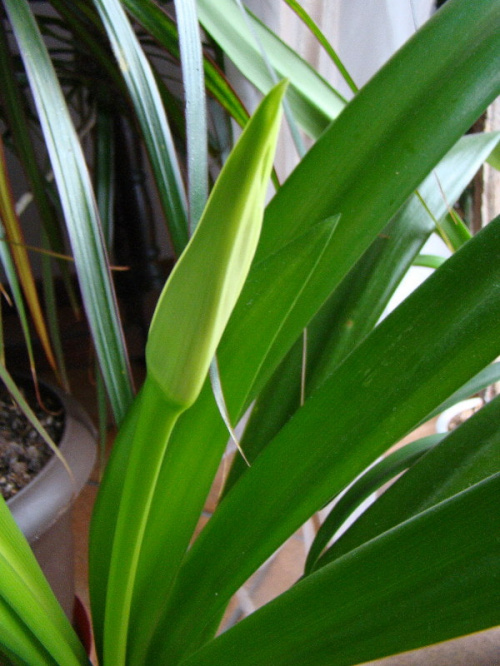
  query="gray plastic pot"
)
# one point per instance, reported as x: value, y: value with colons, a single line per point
x: 42, y: 509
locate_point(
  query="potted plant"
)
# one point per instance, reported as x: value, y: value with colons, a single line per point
x: 158, y: 599
x: 43, y: 486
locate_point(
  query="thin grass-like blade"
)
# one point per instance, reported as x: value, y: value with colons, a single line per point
x: 14, y: 236
x: 313, y: 27
x: 196, y: 111
x: 487, y: 377
x: 155, y: 20
x: 467, y: 455
x: 371, y: 481
x: 79, y: 207
x: 151, y: 116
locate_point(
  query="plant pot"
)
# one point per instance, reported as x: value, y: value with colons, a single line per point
x: 42, y: 509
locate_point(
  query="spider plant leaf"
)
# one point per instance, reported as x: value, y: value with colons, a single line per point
x: 104, y: 171
x: 79, y: 207
x: 151, y: 116
x: 368, y: 483
x: 14, y: 236
x: 15, y: 110
x: 381, y: 599
x: 408, y: 364
x: 157, y: 22
x: 451, y: 467
x: 314, y: 102
x: 196, y: 111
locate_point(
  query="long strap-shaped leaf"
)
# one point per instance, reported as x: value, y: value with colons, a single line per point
x: 196, y: 112
x: 370, y: 482
x: 151, y: 116
x: 375, y: 164
x: 382, y: 390
x: 79, y: 207
x: 431, y: 579
x: 357, y: 304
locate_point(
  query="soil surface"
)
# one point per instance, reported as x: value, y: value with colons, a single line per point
x: 23, y: 452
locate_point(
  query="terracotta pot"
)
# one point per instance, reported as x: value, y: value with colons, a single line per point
x: 42, y: 509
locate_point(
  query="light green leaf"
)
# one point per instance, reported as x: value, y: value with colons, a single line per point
x: 314, y: 102
x: 189, y: 320
x: 429, y: 260
x: 26, y: 597
x: 193, y: 310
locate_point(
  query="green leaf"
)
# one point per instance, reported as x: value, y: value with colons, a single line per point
x: 194, y: 309
x: 380, y: 599
x: 313, y: 27
x: 187, y: 325
x: 25, y: 597
x: 453, y: 466
x: 382, y: 390
x: 79, y: 207
x: 368, y: 197
x: 429, y: 261
x: 453, y: 231
x: 150, y: 114
x: 314, y: 102
x: 154, y: 19
x: 358, y: 303
x: 370, y: 481
x: 482, y: 380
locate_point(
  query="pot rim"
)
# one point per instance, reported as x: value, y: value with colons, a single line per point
x: 52, y: 491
